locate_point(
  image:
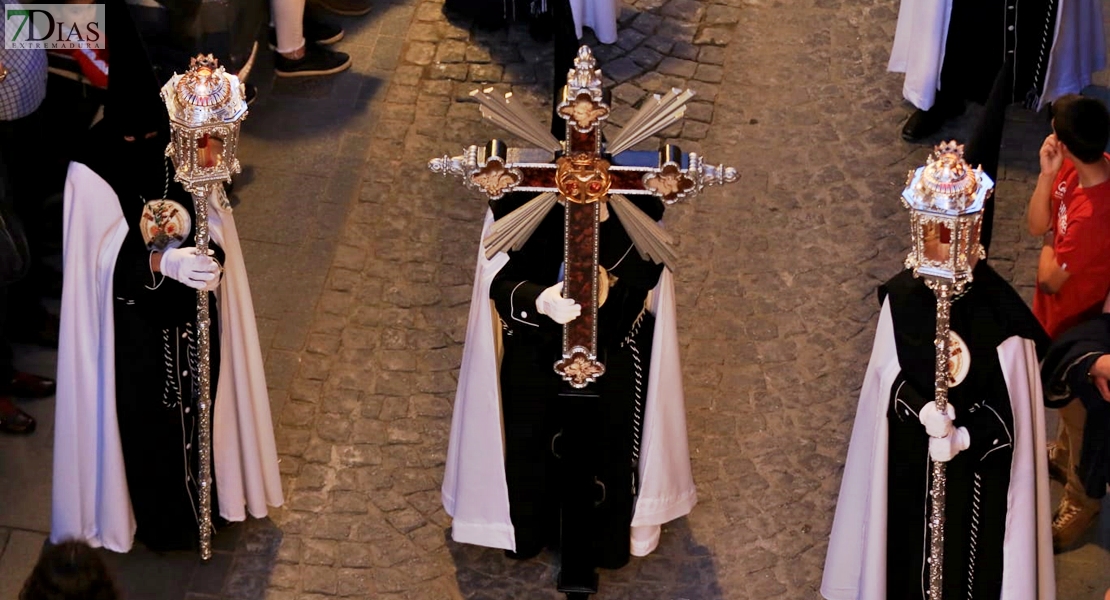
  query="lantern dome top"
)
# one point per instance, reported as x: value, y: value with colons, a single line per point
x: 206, y: 94
x: 204, y: 84
x: 947, y: 184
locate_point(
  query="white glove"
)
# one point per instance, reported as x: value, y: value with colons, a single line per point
x: 194, y: 270
x: 551, y: 302
x: 936, y: 424
x: 215, y: 283
x: 946, y: 448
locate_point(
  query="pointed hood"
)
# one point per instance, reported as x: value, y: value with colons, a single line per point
x: 134, y: 105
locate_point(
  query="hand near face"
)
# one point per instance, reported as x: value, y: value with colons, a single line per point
x: 1052, y: 155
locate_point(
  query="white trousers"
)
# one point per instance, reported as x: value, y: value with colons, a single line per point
x: 288, y: 20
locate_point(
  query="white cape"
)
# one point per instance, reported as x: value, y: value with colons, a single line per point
x: 855, y: 566
x: 475, y: 492
x: 90, y: 498
x: 598, y: 15
x: 922, y: 32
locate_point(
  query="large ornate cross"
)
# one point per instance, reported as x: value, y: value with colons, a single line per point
x: 582, y: 173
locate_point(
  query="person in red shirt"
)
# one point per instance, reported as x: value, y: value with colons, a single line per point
x: 1070, y: 207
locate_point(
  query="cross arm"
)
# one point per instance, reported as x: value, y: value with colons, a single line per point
x: 669, y: 174
x: 496, y: 170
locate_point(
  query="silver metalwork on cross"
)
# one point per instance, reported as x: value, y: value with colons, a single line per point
x: 582, y: 173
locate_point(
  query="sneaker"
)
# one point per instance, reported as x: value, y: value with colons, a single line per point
x: 1057, y: 463
x: 1072, y: 520
x: 316, y: 61
x: 347, y: 8
x: 315, y: 32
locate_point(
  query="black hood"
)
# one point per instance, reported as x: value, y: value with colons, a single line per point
x: 134, y: 106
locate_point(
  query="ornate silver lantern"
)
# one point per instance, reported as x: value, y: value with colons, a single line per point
x: 206, y: 106
x: 946, y: 199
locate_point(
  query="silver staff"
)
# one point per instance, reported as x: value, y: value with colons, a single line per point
x: 945, y: 198
x: 206, y: 106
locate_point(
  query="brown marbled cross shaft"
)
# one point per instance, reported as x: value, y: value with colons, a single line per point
x: 583, y: 180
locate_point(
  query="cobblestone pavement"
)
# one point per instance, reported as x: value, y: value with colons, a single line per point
x: 776, y: 286
x: 361, y: 263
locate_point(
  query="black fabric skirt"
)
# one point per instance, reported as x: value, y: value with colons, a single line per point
x: 571, y: 459
x: 156, y: 407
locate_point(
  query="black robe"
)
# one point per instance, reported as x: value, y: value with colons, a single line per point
x: 989, y: 313
x: 155, y: 350
x: 1064, y: 373
x: 559, y: 445
x: 986, y: 38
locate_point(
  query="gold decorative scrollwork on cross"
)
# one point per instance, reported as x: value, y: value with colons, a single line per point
x: 670, y: 183
x: 582, y: 178
x: 579, y: 368
x: 583, y: 112
x: 495, y: 179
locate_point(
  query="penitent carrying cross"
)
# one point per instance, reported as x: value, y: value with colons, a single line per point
x: 582, y: 173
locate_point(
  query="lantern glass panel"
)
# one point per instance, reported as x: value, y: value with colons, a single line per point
x: 210, y: 152
x: 937, y: 241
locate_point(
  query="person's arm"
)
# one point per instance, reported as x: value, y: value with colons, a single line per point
x: 1039, y: 213
x: 1050, y: 275
x: 1075, y: 250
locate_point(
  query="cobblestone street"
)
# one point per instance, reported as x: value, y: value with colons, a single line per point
x: 361, y: 263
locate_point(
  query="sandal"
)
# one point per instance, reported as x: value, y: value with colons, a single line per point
x: 17, y: 422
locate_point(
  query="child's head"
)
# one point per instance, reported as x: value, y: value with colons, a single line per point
x: 1082, y: 125
x: 69, y: 571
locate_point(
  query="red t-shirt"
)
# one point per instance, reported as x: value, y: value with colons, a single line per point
x: 1082, y: 245
x: 93, y: 64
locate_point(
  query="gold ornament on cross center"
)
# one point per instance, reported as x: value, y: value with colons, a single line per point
x: 583, y: 178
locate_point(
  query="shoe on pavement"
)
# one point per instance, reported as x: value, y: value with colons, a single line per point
x: 315, y: 32
x: 26, y: 385
x: 13, y: 420
x: 316, y: 61
x: 347, y: 8
x: 1072, y: 520
x: 1057, y: 463
x: 923, y: 123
